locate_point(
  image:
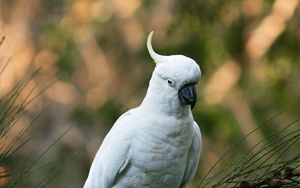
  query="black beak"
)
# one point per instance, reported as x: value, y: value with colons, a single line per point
x: 187, y: 95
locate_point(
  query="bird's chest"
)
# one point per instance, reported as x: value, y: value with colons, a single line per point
x: 160, y: 151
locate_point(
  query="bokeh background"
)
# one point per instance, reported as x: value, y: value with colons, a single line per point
x: 248, y: 51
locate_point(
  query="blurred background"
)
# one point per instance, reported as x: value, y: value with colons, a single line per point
x: 248, y: 51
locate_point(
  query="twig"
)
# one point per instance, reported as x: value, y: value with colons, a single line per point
x: 277, y: 180
x: 2, y: 39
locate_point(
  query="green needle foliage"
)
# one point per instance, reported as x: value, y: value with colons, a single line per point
x: 276, y: 164
x: 16, y: 170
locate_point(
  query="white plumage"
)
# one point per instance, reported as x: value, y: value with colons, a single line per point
x: 156, y: 145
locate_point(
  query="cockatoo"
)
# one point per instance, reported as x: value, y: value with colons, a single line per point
x: 156, y: 145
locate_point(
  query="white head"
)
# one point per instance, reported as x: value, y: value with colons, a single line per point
x: 173, y: 79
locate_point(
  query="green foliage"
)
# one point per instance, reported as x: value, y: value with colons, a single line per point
x: 18, y: 168
x: 60, y: 41
x: 111, y: 112
x: 107, y: 114
x: 265, y: 163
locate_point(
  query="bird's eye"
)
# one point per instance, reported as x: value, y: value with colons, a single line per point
x: 171, y: 82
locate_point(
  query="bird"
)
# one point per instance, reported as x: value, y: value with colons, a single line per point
x: 158, y: 143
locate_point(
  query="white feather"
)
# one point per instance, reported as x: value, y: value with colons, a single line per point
x: 156, y: 144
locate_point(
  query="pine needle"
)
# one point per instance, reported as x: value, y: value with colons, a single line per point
x: 262, y: 165
x: 10, y: 112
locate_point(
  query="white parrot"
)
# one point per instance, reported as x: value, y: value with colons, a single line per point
x: 156, y: 145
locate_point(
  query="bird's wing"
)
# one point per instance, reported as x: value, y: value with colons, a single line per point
x: 193, y: 157
x: 112, y: 157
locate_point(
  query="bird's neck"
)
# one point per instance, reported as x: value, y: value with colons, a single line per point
x: 164, y: 103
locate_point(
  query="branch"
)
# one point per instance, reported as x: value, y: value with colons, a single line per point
x: 2, y: 40
x: 278, y: 179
